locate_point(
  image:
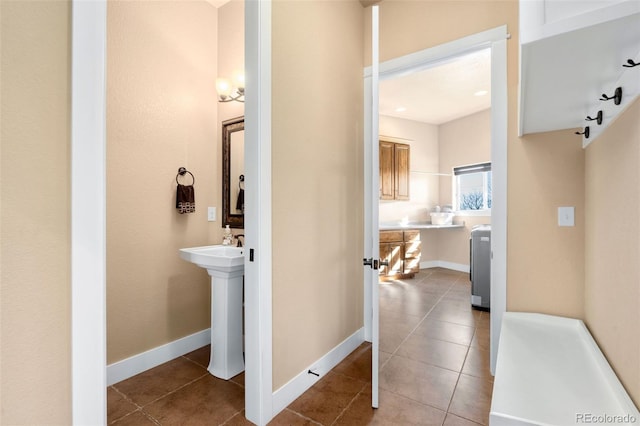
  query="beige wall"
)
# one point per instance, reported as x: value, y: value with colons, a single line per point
x: 317, y: 180
x: 35, y: 289
x: 612, y: 246
x: 544, y: 171
x: 453, y: 244
x: 230, y: 58
x: 423, y: 139
x: 545, y: 261
x: 407, y: 26
x: 466, y: 140
x: 161, y: 115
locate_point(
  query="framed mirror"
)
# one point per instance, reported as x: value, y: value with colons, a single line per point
x: 233, y: 172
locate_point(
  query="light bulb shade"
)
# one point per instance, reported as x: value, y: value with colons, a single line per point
x: 238, y: 80
x: 223, y: 87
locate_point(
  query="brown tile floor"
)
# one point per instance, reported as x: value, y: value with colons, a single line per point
x: 434, y: 371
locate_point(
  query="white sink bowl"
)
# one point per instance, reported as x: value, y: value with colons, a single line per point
x: 217, y: 258
x: 441, y: 218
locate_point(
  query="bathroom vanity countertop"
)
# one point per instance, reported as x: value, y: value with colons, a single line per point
x: 417, y: 225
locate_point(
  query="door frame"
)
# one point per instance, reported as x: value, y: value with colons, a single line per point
x: 258, y: 269
x: 88, y: 212
x: 496, y: 39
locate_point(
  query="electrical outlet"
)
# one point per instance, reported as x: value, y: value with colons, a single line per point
x: 211, y: 214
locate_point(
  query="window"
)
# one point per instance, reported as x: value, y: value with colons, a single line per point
x: 472, y: 187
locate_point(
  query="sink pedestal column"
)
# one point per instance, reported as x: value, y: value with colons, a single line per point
x: 227, y: 358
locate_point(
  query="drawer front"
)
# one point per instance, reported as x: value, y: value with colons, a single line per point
x: 411, y: 236
x: 412, y: 265
x: 412, y: 250
x: 390, y: 236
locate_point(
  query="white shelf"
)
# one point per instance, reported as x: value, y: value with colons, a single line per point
x: 567, y: 61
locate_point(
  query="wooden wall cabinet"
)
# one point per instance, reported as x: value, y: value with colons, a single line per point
x: 394, y: 170
x: 402, y: 250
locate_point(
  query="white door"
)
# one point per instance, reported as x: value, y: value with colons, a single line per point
x: 371, y: 179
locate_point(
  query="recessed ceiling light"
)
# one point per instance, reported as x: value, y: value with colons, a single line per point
x: 480, y: 93
x: 401, y: 109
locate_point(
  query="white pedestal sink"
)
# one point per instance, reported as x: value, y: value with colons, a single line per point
x: 225, y: 265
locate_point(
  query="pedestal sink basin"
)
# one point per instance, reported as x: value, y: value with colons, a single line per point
x: 218, y: 258
x: 225, y: 266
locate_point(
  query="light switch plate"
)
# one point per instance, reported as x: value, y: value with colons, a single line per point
x: 566, y: 216
x: 211, y: 214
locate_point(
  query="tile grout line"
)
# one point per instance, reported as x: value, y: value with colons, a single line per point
x: 164, y: 396
x: 303, y: 416
x: 468, y: 346
x: 475, y: 331
x: 420, y: 322
x: 141, y: 407
x: 455, y: 387
x: 391, y: 355
x: 350, y: 403
x: 126, y: 398
x: 193, y: 362
x: 446, y: 412
x: 207, y: 371
x: 232, y: 417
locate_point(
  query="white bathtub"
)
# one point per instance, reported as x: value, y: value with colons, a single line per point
x: 550, y: 371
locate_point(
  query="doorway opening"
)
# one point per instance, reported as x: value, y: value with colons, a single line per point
x: 441, y: 116
x: 494, y: 41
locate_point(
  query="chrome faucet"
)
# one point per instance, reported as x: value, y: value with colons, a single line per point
x: 239, y: 243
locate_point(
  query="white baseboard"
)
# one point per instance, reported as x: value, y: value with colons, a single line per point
x: 303, y: 381
x: 443, y: 264
x: 136, y: 364
x: 428, y: 264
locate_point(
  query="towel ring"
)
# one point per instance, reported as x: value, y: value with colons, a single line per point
x: 181, y: 172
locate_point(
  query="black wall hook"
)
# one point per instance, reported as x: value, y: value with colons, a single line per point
x: 617, y: 97
x: 597, y: 118
x: 631, y: 63
x: 585, y: 133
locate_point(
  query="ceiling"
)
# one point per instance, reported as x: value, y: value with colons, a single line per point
x: 442, y: 93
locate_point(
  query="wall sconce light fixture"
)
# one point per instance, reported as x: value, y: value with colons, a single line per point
x: 228, y: 91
